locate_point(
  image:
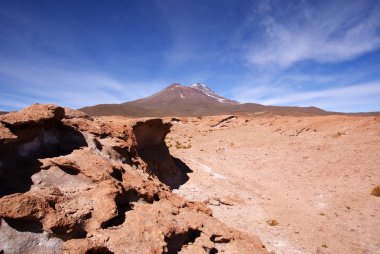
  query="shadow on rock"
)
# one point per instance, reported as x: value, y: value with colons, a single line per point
x: 151, y: 147
x: 19, y: 158
x: 184, y: 170
x: 169, y: 170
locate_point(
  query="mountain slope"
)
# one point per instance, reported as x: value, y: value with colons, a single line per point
x: 195, y: 100
x: 177, y: 94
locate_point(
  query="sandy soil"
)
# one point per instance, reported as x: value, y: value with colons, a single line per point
x: 312, y: 175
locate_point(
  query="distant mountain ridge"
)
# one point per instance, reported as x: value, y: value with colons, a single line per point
x: 195, y: 100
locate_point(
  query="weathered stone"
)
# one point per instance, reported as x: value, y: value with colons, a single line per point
x: 108, y: 193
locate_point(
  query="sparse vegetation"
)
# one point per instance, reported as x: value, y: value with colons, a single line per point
x: 339, y: 134
x: 376, y: 191
x: 324, y: 245
x: 272, y: 222
x: 178, y: 145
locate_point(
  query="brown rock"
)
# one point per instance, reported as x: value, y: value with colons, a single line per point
x: 151, y: 147
x: 72, y: 113
x: 6, y: 135
x: 107, y: 193
x: 34, y: 114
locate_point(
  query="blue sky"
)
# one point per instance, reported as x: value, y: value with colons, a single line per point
x: 78, y: 53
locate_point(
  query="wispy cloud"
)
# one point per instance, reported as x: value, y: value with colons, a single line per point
x: 67, y: 87
x: 266, y: 85
x: 331, y: 31
x: 265, y: 51
x: 12, y: 101
x: 306, y: 53
x: 348, y: 98
x: 346, y: 93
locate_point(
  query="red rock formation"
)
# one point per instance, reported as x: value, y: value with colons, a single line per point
x: 72, y: 184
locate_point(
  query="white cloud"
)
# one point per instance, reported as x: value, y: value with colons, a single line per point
x: 266, y: 85
x: 353, y: 98
x: 343, y: 93
x: 288, y: 32
x: 256, y: 94
x: 66, y: 87
x: 330, y: 32
x: 12, y: 101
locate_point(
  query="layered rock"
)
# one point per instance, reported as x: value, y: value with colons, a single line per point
x: 73, y: 184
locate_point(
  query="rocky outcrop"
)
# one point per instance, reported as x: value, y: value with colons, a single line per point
x: 224, y: 121
x: 73, y: 184
x: 150, y: 136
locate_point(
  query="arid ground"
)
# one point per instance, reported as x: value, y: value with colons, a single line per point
x: 312, y: 176
x: 74, y: 184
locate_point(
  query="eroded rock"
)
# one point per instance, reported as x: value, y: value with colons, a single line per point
x: 34, y: 114
x: 73, y: 184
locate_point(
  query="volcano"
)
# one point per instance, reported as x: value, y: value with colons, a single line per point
x: 195, y: 100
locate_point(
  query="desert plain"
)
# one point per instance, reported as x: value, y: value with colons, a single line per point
x: 302, y: 184
x: 259, y: 183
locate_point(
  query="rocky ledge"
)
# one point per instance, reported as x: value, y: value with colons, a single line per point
x: 73, y: 184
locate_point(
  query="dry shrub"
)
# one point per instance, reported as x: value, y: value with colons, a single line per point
x: 272, y: 222
x: 376, y: 191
